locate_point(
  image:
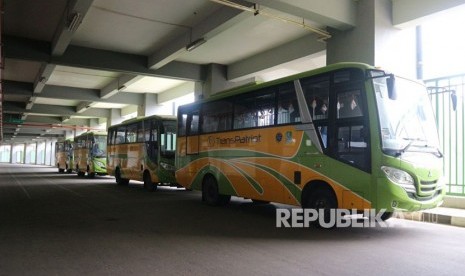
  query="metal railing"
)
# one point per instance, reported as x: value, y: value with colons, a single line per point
x: 447, y: 96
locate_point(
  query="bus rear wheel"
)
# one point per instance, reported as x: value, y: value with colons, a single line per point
x: 210, y: 193
x: 148, y: 184
x: 79, y: 172
x: 119, y: 180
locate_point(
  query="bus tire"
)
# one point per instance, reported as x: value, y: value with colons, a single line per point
x: 79, y: 173
x: 148, y: 184
x: 320, y: 198
x: 210, y: 192
x: 119, y: 180
x: 386, y: 215
x: 89, y: 173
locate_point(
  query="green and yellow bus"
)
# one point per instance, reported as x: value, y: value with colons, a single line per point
x: 143, y: 149
x: 90, y: 154
x: 344, y: 136
x: 64, y: 155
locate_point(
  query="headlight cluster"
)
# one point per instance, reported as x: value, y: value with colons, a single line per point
x: 401, y: 178
x: 99, y: 164
x: 167, y: 166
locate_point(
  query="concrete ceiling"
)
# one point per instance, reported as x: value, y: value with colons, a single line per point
x: 59, y: 75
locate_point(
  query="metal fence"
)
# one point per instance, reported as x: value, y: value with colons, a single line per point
x: 447, y: 96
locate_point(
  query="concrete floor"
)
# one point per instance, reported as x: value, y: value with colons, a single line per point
x: 59, y: 224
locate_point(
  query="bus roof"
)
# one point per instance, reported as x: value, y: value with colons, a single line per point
x: 141, y: 118
x: 254, y: 86
x: 94, y: 132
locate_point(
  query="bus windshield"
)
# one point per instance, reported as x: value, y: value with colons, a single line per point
x: 406, y: 119
x: 100, y: 146
x: 168, y: 139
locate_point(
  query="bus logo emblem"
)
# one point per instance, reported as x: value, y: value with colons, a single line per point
x: 279, y: 137
x: 289, y: 137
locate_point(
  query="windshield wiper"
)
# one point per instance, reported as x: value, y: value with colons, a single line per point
x: 410, y: 143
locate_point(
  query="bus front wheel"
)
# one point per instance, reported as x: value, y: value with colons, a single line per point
x: 386, y: 215
x: 148, y: 184
x: 210, y: 192
x: 322, y: 199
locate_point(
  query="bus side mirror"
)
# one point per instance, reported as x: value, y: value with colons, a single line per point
x: 391, y: 86
x: 453, y: 98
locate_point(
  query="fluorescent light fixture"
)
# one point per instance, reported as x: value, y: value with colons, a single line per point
x: 75, y: 22
x: 194, y: 44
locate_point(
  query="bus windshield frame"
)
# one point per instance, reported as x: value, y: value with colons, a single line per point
x: 406, y: 120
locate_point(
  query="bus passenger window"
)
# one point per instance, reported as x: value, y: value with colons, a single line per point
x: 194, y: 125
x: 316, y: 91
x: 324, y: 135
x: 216, y: 116
x: 349, y: 105
x: 287, y: 104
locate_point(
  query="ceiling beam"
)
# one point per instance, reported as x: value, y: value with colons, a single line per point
x: 337, y: 14
x: 83, y: 57
x: 83, y: 106
x: 215, y: 24
x: 117, y: 85
x: 44, y: 74
x: 14, y: 107
x: 71, y: 93
x: 55, y: 120
x: 70, y: 21
x: 302, y: 47
x: 411, y: 13
x: 176, y: 92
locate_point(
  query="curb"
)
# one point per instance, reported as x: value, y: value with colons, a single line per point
x: 433, y: 217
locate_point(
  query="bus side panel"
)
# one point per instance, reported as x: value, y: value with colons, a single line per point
x: 61, y: 159
x: 132, y: 165
x: 263, y: 164
x: 111, y: 160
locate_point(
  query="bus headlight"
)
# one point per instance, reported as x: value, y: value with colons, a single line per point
x: 401, y: 178
x: 167, y: 166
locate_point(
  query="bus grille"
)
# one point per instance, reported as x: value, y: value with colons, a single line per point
x: 427, y: 188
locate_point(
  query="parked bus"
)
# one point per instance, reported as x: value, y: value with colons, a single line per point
x: 143, y: 149
x: 64, y: 155
x: 344, y: 136
x: 90, y: 153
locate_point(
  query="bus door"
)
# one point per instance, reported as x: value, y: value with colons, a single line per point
x: 193, y: 141
x: 151, y: 140
x: 349, y: 141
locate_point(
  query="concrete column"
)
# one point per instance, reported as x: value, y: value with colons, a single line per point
x: 24, y: 153
x: 69, y: 134
x: 115, y: 117
x: 374, y: 40
x: 198, y: 91
x: 45, y: 152
x: 35, y: 159
x: 150, y: 105
x: 11, y: 153
x: 216, y: 81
